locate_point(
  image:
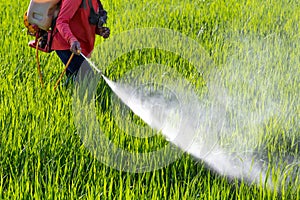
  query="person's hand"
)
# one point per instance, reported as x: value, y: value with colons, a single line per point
x: 103, y: 31
x: 75, y: 47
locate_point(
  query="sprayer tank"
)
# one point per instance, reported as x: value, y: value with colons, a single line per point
x: 41, y: 12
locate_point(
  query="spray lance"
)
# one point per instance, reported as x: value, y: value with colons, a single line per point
x: 92, y: 64
x: 67, y: 65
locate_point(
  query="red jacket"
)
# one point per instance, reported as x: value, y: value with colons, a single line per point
x: 72, y: 24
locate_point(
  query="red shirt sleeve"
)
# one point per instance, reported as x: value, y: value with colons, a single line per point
x: 67, y: 11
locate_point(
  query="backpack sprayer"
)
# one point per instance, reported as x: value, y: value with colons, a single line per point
x: 40, y: 20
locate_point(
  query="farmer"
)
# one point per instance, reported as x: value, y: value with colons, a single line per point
x: 77, y: 24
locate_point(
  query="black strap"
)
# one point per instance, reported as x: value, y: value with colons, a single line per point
x: 92, y: 8
x: 83, y: 4
x: 53, y: 30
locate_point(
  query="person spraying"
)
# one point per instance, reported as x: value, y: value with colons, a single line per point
x: 77, y: 24
x: 68, y: 27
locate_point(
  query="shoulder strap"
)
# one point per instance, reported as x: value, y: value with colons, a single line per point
x: 83, y: 4
x: 91, y: 5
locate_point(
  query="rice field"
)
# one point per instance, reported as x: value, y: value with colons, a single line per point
x: 249, y: 76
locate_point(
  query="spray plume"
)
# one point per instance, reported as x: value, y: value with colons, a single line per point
x: 226, y: 126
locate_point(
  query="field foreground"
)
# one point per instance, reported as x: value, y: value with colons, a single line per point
x: 241, y: 94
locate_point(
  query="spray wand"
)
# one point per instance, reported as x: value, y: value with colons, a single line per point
x: 92, y: 64
x: 65, y: 69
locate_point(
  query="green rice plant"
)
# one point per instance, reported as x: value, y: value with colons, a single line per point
x: 42, y: 155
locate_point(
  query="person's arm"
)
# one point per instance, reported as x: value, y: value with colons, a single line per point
x: 67, y: 11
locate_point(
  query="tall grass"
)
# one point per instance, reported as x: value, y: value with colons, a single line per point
x: 41, y: 153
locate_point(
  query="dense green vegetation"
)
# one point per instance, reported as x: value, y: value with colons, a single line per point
x: 41, y: 153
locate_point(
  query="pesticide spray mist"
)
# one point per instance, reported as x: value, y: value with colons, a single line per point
x: 242, y: 105
x: 195, y: 127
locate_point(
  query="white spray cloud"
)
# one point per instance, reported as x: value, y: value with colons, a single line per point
x: 223, y: 127
x: 192, y: 126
